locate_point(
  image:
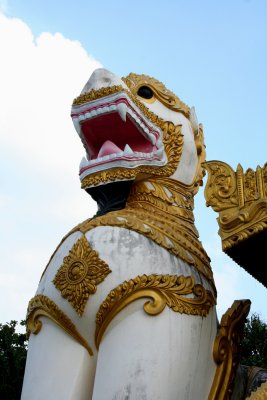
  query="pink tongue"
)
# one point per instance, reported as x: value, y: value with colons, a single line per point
x: 108, y: 148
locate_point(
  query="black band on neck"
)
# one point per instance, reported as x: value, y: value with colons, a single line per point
x: 110, y: 197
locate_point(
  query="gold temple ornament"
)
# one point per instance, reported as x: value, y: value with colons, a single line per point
x: 164, y: 95
x: 166, y: 219
x: 82, y: 270
x: 240, y: 198
x: 41, y: 306
x: 162, y: 290
x: 226, y: 349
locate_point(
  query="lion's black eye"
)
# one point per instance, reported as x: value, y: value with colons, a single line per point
x: 145, y: 92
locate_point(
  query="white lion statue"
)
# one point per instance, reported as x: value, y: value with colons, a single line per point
x: 125, y: 308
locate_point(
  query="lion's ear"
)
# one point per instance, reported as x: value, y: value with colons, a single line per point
x: 193, y: 120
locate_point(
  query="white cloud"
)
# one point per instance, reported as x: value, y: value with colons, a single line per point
x: 40, y: 197
x: 39, y: 79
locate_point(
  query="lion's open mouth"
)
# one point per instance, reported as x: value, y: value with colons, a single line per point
x: 115, y: 132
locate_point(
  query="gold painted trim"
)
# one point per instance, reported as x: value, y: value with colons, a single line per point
x: 134, y: 82
x: 201, y: 154
x: 163, y: 230
x: 82, y: 270
x: 96, y: 94
x: 167, y: 98
x: 161, y: 209
x: 221, y: 188
x: 42, y: 306
x: 164, y: 95
x: 226, y: 349
x: 170, y: 290
x: 260, y: 394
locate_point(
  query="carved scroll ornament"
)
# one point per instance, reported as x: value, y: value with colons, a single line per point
x: 42, y: 306
x: 162, y: 290
x: 226, y: 349
x: 239, y: 198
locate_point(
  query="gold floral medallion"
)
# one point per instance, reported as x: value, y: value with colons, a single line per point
x: 82, y: 270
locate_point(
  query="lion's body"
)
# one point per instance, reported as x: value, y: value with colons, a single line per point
x: 96, y: 340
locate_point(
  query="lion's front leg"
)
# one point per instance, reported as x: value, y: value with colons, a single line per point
x: 58, y: 367
x: 163, y: 357
x: 155, y: 326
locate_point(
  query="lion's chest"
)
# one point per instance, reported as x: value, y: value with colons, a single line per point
x: 86, y: 267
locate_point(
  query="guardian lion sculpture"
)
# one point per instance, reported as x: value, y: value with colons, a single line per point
x: 125, y: 308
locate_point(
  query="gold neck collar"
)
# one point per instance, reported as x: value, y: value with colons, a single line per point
x: 165, y: 195
x: 162, y: 210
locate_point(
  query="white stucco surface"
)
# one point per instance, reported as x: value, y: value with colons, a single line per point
x: 171, y: 350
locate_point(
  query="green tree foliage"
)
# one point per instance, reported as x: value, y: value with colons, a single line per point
x: 13, y: 351
x: 254, y: 343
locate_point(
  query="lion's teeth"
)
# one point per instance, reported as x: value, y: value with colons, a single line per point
x: 142, y: 125
x: 153, y: 139
x: 127, y: 150
x: 87, y: 115
x: 77, y: 125
x: 159, y: 144
x: 138, y: 120
x: 100, y: 111
x: 83, y: 163
x: 122, y: 109
x: 130, y: 112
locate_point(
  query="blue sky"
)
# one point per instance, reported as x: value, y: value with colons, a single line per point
x: 212, y: 54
